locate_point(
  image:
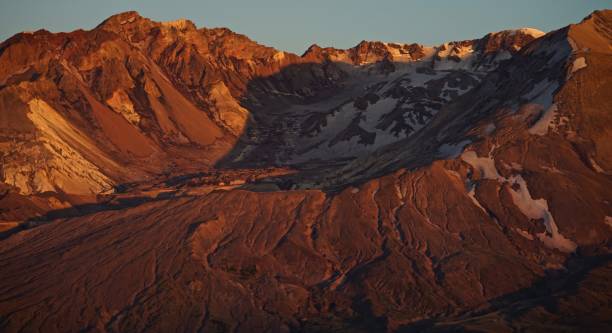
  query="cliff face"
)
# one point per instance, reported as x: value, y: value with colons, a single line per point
x: 389, y: 187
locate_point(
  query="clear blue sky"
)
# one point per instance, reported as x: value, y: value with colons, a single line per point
x: 293, y: 25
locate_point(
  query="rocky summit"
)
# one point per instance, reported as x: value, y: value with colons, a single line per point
x: 162, y: 177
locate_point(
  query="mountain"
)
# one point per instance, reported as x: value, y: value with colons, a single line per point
x: 157, y: 176
x: 181, y: 98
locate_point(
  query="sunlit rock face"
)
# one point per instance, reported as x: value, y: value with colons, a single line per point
x: 159, y: 176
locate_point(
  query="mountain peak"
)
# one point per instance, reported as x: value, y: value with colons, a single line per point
x: 509, y: 40
x: 603, y: 14
x: 121, y: 19
x: 593, y: 32
x: 530, y: 31
x: 313, y: 49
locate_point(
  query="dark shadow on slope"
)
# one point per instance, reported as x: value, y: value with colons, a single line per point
x: 546, y: 294
x: 109, y: 204
x: 268, y: 99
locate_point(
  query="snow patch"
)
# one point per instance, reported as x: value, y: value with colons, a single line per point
x: 398, y: 52
x: 451, y: 151
x: 532, y: 208
x: 578, y: 64
x: 486, y: 165
x: 502, y: 55
x: 545, y: 121
x: 596, y: 166
x: 490, y: 128
x: 531, y: 31
x: 524, y: 233
x: 244, y: 153
x: 448, y: 50
x: 538, y: 209
x: 472, y: 194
